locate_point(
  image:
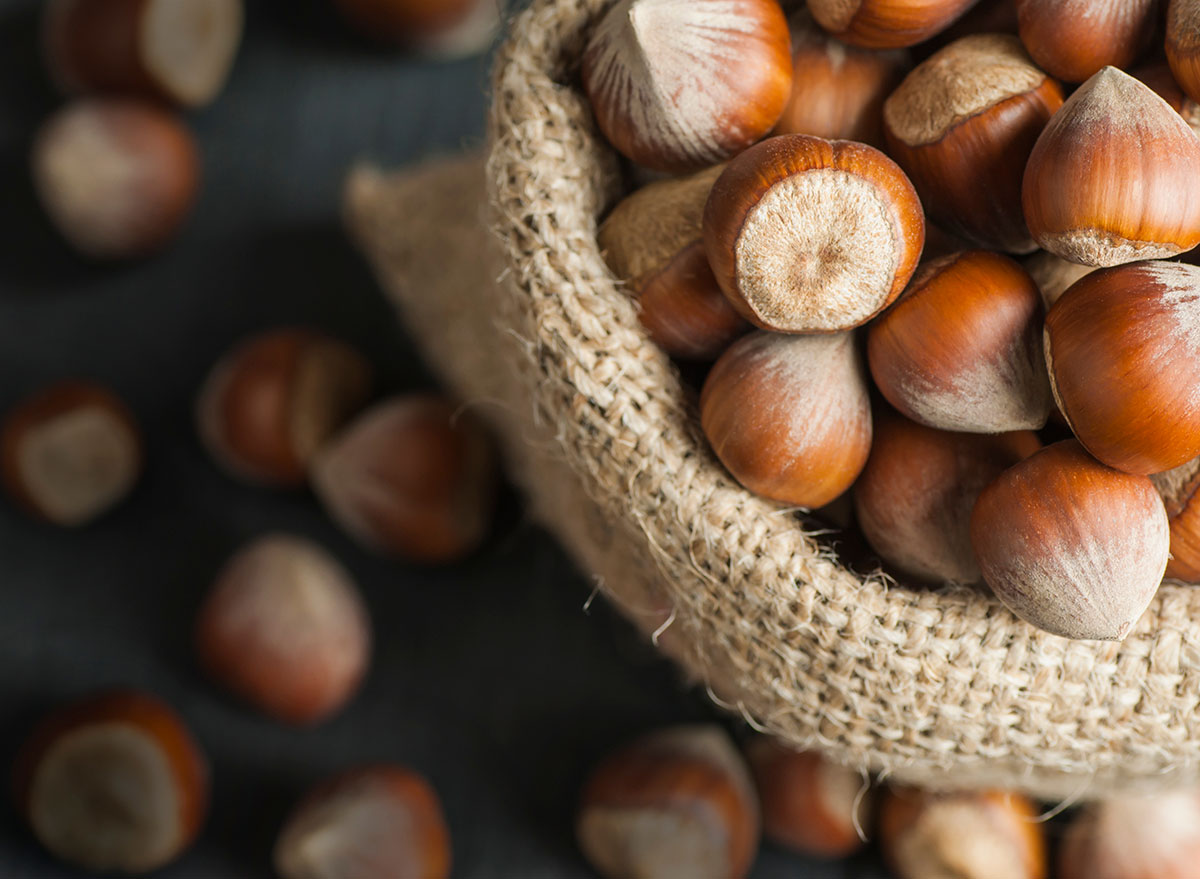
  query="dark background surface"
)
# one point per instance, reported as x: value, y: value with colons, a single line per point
x: 489, y: 677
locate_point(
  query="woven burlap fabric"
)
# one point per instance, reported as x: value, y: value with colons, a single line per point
x: 941, y: 688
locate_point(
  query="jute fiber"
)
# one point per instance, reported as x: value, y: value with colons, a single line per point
x: 942, y: 688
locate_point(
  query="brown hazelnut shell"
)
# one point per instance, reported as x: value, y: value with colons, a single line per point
x: 1102, y: 33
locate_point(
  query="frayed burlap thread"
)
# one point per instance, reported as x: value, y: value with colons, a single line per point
x: 942, y: 688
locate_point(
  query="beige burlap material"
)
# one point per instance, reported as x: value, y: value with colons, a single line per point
x: 942, y: 688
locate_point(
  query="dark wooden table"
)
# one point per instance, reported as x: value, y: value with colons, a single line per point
x: 490, y: 677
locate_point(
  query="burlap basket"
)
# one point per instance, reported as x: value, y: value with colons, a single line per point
x: 941, y: 688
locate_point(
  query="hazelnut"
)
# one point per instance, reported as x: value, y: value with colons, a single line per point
x: 809, y: 805
x: 284, y: 627
x: 412, y: 477
x: 886, y: 24
x: 1183, y: 44
x: 1178, y: 489
x: 114, y: 783
x: 1119, y: 344
x: 651, y: 240
x: 661, y: 77
x: 176, y: 50
x: 838, y: 90
x: 276, y: 399
x: 810, y: 235
x: 962, y: 125
x: 439, y: 28
x: 676, y: 802
x: 962, y: 349
x: 1072, y: 546
x: 1054, y: 275
x: 1134, y: 837
x: 1114, y: 177
x: 378, y: 822
x: 985, y: 835
x: 1159, y: 78
x: 1102, y: 33
x: 70, y: 452
x: 116, y: 176
x: 915, y: 496
x: 789, y: 416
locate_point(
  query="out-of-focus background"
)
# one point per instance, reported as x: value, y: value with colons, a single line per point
x: 499, y: 678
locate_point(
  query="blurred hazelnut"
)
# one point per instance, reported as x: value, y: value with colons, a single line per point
x: 1178, y: 488
x: 443, y: 29
x: 809, y: 805
x: 677, y: 802
x: 272, y: 403
x: 1183, y: 44
x: 70, y: 452
x: 379, y: 822
x: 117, y: 177
x: 284, y: 627
x: 114, y: 783
x: 986, y: 835
x: 177, y: 50
x: 412, y: 477
x: 1153, y: 836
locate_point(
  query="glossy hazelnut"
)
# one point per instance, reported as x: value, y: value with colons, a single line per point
x: 114, y: 783
x: 985, y: 835
x: 1119, y: 344
x: 676, y: 802
x: 810, y: 235
x: 413, y: 477
x: 651, y: 241
x: 1178, y: 489
x: 285, y: 628
x: 1114, y: 177
x: 962, y: 349
x: 273, y: 402
x: 117, y: 177
x: 70, y: 453
x: 962, y: 126
x: 914, y: 498
x: 1159, y: 78
x: 1073, y: 39
x: 1134, y: 837
x: 1183, y: 44
x: 439, y: 28
x: 789, y: 416
x: 809, y: 805
x: 1072, y: 546
x: 660, y: 80
x: 886, y: 24
x: 1054, y: 275
x: 378, y: 822
x: 838, y: 90
x: 175, y: 50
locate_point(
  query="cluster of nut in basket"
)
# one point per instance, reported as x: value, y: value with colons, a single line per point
x: 805, y: 245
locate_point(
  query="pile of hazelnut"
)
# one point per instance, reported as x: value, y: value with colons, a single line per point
x: 117, y: 782
x: 686, y: 802
x: 991, y: 227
